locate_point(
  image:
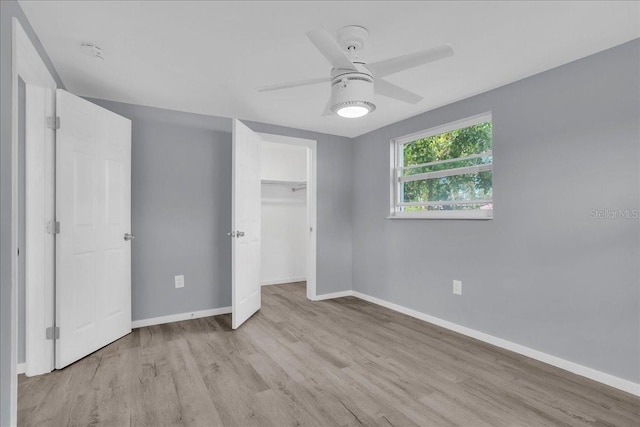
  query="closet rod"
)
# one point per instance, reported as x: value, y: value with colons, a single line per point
x: 295, y: 185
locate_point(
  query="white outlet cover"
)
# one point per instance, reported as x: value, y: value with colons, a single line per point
x: 457, y: 287
x: 179, y: 280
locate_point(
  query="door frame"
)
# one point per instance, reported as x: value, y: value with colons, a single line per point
x: 28, y: 65
x: 312, y: 202
x: 39, y: 249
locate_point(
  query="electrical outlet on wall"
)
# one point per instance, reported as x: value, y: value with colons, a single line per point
x: 457, y: 287
x: 179, y: 280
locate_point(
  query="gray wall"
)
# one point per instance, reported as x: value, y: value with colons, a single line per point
x: 22, y: 89
x: 8, y: 10
x: 181, y: 209
x: 543, y: 273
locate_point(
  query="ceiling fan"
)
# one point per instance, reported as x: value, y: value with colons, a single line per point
x: 354, y: 82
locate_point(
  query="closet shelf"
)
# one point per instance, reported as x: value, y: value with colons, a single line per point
x: 283, y: 182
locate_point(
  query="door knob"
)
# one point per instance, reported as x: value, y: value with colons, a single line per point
x: 128, y: 236
x: 239, y: 233
x: 232, y: 234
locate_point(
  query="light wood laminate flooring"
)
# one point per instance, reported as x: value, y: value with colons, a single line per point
x: 342, y: 362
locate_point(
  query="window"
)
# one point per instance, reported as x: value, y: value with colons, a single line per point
x: 444, y: 172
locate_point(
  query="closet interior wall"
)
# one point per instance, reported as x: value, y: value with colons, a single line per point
x: 284, y: 213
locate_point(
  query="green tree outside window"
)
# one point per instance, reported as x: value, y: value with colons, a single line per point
x: 455, y: 144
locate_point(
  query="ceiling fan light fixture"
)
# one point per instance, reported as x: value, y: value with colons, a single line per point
x: 353, y: 109
x: 352, y: 95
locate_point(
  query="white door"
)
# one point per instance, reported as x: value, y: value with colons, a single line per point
x: 245, y: 214
x: 93, y: 207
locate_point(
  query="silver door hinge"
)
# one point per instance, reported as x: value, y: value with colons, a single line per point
x: 53, y: 227
x: 53, y: 122
x: 49, y: 332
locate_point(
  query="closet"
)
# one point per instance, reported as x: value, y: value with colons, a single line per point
x: 284, y: 213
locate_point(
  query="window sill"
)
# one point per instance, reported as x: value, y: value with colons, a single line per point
x: 477, y: 214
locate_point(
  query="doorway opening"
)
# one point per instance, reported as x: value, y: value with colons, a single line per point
x: 288, y: 211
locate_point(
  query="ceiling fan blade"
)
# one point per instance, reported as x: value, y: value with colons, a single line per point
x: 330, y: 50
x: 404, y: 62
x: 293, y: 84
x: 383, y: 87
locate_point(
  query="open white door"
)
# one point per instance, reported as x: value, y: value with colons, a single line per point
x: 93, y: 207
x: 245, y: 224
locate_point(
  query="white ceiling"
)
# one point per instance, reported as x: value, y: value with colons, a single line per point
x: 208, y: 57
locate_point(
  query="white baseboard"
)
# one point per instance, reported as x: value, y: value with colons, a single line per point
x: 178, y: 317
x: 584, y: 371
x: 283, y: 281
x: 333, y: 295
x: 21, y: 368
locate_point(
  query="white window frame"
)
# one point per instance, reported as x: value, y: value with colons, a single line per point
x: 396, y: 180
